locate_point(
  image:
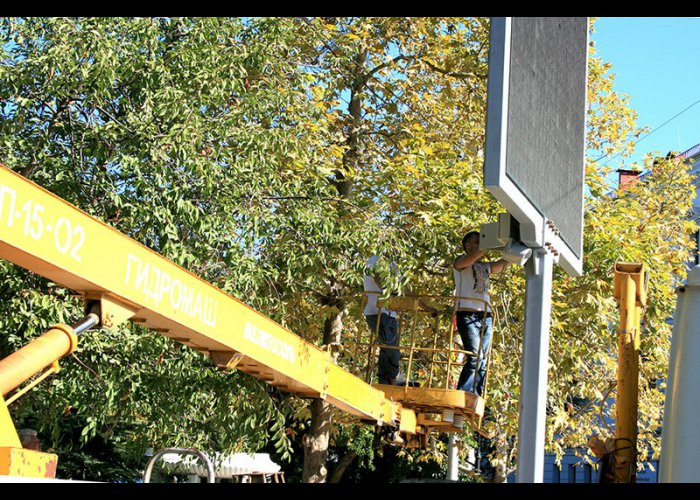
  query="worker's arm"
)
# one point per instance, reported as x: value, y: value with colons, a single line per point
x: 499, y: 265
x: 465, y: 260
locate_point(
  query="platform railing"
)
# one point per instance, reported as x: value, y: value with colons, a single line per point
x: 420, y: 331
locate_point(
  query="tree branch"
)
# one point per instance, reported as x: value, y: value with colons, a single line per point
x: 376, y: 69
x: 340, y: 200
x: 453, y: 74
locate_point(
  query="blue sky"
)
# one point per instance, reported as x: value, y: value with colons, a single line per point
x: 656, y: 61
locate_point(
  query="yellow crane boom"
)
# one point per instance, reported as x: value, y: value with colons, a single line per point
x: 43, y: 233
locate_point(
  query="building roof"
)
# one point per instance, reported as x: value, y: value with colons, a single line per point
x: 691, y: 153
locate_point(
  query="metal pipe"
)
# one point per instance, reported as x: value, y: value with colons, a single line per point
x: 437, y: 349
x: 448, y: 372
x: 432, y: 358
x: 452, y: 458
x: 86, y: 323
x: 413, y: 344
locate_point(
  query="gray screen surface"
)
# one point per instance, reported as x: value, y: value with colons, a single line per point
x: 546, y: 119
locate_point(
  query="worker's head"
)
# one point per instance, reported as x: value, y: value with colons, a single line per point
x: 470, y: 242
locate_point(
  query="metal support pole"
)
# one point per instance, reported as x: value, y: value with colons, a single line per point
x: 680, y: 447
x: 452, y: 458
x: 533, y: 388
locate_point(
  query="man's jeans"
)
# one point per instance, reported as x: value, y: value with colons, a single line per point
x: 469, y: 325
x: 388, y: 366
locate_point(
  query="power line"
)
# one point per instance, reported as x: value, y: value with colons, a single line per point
x: 650, y: 132
x: 667, y: 121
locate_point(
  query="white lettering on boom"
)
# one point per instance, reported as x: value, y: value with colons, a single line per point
x: 268, y: 342
x: 157, y: 284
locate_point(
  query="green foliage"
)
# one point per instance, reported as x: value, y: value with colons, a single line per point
x: 169, y: 130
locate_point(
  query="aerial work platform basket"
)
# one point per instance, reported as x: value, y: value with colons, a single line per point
x: 432, y: 357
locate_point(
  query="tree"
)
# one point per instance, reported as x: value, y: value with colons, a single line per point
x: 408, y: 84
x: 113, y: 124
x: 169, y: 130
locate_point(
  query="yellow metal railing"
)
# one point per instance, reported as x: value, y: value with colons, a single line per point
x: 424, y: 334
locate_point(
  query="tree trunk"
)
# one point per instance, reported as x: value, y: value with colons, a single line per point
x: 501, y: 470
x: 316, y: 443
x: 316, y: 440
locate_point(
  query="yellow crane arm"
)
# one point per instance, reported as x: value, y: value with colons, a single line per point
x: 43, y: 233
